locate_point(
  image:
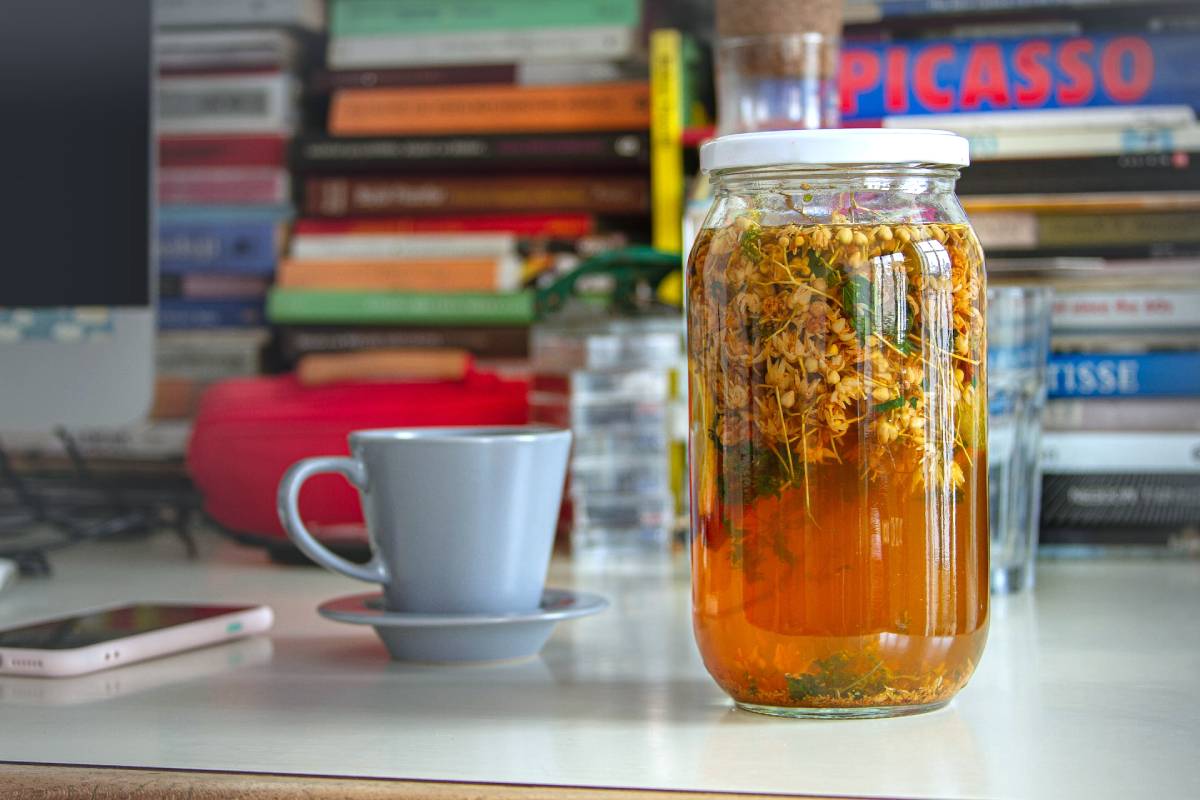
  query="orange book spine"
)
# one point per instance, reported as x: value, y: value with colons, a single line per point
x: 405, y: 364
x: 394, y: 275
x: 622, y: 105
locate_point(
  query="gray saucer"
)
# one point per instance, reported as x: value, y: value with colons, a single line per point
x: 463, y: 637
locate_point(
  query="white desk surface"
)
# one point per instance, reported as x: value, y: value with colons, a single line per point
x: 1090, y: 688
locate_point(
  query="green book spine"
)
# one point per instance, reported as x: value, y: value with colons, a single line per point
x: 385, y: 17
x: 288, y: 306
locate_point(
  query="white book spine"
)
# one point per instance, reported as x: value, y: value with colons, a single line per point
x: 1123, y: 414
x: 405, y: 245
x: 542, y: 74
x: 227, y: 104
x: 1006, y: 229
x: 474, y: 47
x: 189, y: 13
x: 1126, y: 310
x: 996, y: 145
x: 1051, y: 119
x: 1093, y: 452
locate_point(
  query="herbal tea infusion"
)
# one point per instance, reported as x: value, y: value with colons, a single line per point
x: 838, y: 434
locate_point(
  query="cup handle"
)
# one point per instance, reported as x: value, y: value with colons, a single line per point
x: 287, y: 502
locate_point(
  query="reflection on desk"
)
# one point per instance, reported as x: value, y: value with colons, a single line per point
x: 195, y: 665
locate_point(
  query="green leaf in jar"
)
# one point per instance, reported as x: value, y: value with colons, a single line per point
x: 858, y: 300
x: 818, y: 267
x: 840, y: 675
x: 890, y: 405
x: 751, y: 243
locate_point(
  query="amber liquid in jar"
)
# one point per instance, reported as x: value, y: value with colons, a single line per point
x: 839, y: 484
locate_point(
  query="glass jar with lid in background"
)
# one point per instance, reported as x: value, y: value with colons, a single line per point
x: 776, y: 68
x: 838, y: 423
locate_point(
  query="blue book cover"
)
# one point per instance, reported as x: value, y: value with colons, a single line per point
x: 1164, y: 374
x: 941, y: 76
x: 222, y: 246
x: 176, y: 314
x: 276, y: 213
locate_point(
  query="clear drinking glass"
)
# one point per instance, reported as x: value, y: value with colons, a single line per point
x: 1018, y: 343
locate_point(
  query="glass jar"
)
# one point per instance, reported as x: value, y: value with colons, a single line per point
x: 838, y: 423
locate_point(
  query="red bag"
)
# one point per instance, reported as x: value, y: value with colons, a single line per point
x: 248, y: 431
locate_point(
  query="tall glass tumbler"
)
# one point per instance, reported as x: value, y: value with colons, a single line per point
x: 1018, y: 344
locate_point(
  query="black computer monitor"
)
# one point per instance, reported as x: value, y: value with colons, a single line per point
x: 76, y: 211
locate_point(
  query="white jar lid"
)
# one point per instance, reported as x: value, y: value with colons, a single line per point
x: 835, y: 146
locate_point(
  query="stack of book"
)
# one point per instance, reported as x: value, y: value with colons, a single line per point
x: 227, y: 106
x: 1085, y: 174
x: 1121, y: 448
x: 469, y: 148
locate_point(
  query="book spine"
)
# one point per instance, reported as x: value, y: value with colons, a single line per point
x: 1120, y: 500
x: 359, y: 18
x: 1126, y: 310
x: 222, y: 151
x: 574, y: 152
x: 1121, y: 375
x: 563, y: 226
x: 940, y: 76
x: 248, y: 247
x: 1084, y: 233
x: 621, y: 106
x: 346, y: 196
x: 921, y: 8
x: 224, y: 214
x: 538, y: 73
x: 1051, y: 120
x: 226, y: 104
x: 286, y: 306
x: 327, y: 81
x: 1097, y: 202
x: 491, y: 342
x: 404, y: 275
x: 233, y: 185
x: 1122, y: 414
x: 188, y: 13
x: 1138, y: 541
x: 1157, y: 172
x: 1102, y: 142
x: 404, y: 245
x: 212, y: 287
x: 208, y: 355
x: 486, y: 46
x: 1096, y: 452
x: 176, y: 314
x: 395, y: 365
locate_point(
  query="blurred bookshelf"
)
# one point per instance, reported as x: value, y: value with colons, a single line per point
x: 375, y: 189
x: 1083, y: 133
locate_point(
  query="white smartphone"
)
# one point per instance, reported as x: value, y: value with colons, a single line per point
x: 200, y: 664
x: 103, y: 638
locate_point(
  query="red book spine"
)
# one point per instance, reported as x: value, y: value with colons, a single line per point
x: 222, y: 151
x: 235, y: 186
x: 562, y: 226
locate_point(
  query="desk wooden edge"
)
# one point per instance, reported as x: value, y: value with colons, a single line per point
x: 26, y: 781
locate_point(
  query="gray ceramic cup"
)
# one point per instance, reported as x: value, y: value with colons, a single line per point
x: 461, y: 520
